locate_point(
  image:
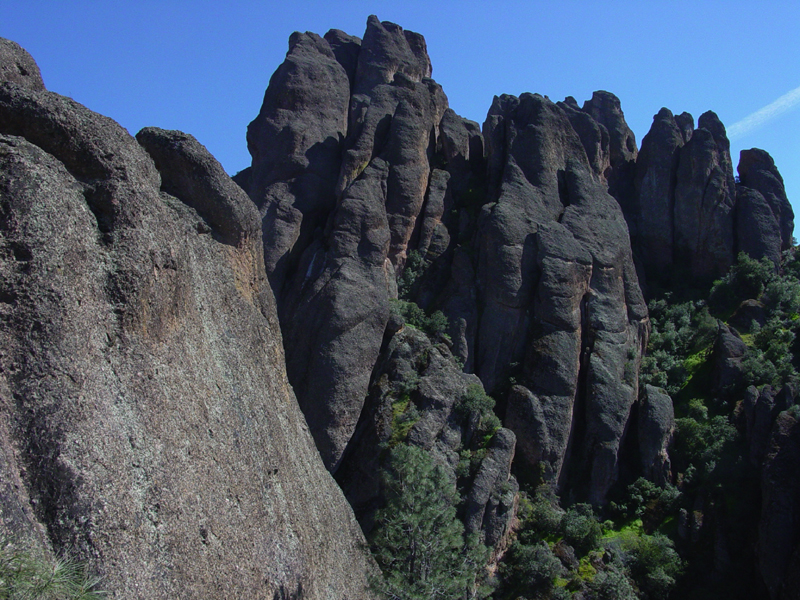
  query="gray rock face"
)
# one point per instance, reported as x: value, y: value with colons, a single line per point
x: 340, y: 211
x: 540, y: 276
x: 757, y: 172
x: 295, y: 142
x: 651, y: 216
x: 656, y: 426
x: 145, y: 416
x: 729, y: 350
x: 757, y: 229
x: 17, y: 66
x: 687, y: 217
x: 705, y: 194
x: 560, y: 294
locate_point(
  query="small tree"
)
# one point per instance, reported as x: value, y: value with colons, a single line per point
x: 418, y: 541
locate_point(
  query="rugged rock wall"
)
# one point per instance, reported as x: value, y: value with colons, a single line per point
x: 522, y: 245
x: 145, y: 416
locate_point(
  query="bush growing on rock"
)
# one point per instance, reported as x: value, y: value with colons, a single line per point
x: 419, y: 542
x: 24, y: 576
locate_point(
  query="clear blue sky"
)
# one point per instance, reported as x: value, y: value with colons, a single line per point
x: 202, y: 67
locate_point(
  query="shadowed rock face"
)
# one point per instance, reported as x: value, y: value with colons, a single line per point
x: 145, y: 415
x: 337, y: 226
x: 757, y: 173
x: 419, y: 380
x: 779, y: 533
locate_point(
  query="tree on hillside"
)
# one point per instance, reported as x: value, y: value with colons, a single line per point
x: 418, y: 540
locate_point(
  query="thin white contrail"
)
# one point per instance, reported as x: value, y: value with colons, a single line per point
x: 753, y: 121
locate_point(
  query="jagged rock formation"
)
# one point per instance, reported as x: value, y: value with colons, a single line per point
x: 333, y: 285
x: 520, y: 224
x: 145, y: 416
x: 688, y: 217
x: 559, y: 291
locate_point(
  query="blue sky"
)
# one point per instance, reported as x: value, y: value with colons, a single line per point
x: 202, y: 67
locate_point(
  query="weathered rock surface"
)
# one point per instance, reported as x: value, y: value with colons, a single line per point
x: 729, y: 350
x: 757, y: 172
x: 17, y: 66
x: 338, y: 216
x: 687, y: 216
x: 521, y: 244
x: 559, y: 291
x: 145, y: 416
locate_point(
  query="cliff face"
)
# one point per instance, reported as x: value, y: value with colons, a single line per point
x: 522, y: 245
x: 145, y: 415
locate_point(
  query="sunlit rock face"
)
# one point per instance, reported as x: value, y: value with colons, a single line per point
x: 146, y: 421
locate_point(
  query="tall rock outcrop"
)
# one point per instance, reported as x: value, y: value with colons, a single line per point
x: 560, y: 295
x: 335, y: 231
x: 688, y: 217
x: 516, y: 238
x: 146, y: 420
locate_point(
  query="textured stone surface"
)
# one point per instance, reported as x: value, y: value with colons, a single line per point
x: 705, y: 195
x: 559, y: 291
x: 340, y: 211
x: 418, y: 380
x: 757, y: 171
x: 17, y: 66
x: 729, y: 350
x: 651, y: 216
x: 656, y: 424
x: 688, y: 218
x: 146, y: 418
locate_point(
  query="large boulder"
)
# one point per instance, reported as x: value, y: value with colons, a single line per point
x: 146, y: 421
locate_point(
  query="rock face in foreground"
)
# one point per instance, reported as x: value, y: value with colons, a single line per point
x: 145, y: 416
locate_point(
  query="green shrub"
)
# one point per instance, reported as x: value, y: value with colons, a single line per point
x: 25, y: 577
x: 745, y: 280
x: 477, y: 404
x: 612, y: 584
x: 413, y: 269
x: 436, y: 325
x: 418, y: 540
x: 654, y: 565
x: 580, y: 528
x: 531, y: 569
